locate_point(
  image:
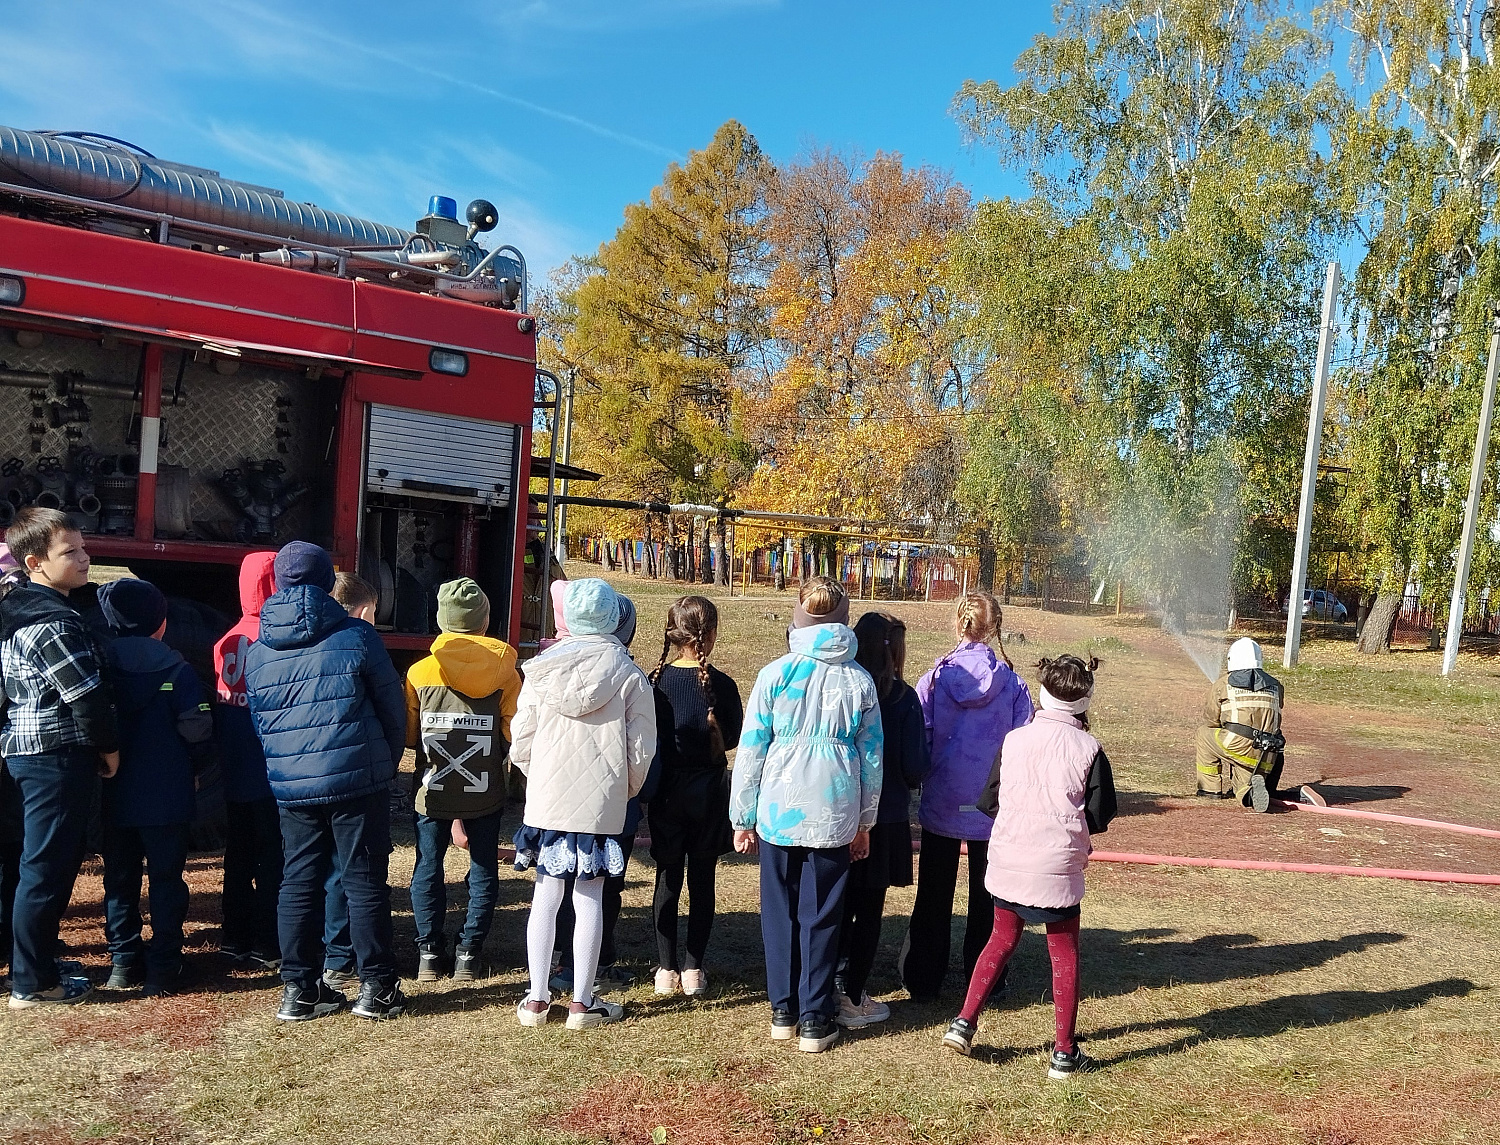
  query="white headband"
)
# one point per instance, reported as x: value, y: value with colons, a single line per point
x: 1051, y: 703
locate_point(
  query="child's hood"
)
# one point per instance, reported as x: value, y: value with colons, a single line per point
x: 580, y: 675
x: 140, y: 666
x: 559, y: 592
x: 257, y: 582
x: 475, y: 665
x: 831, y: 643
x: 30, y: 605
x: 299, y: 616
x: 972, y: 676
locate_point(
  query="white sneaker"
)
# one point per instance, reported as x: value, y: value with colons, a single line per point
x: 599, y: 1013
x: 529, y: 1017
x: 867, y: 1013
x: 694, y: 982
x: 667, y: 981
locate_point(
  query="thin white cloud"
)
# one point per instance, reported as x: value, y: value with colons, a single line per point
x: 330, y: 50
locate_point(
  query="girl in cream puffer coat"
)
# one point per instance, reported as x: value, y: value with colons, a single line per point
x: 585, y: 734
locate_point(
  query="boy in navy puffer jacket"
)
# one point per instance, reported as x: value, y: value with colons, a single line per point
x: 330, y: 711
x: 166, y: 742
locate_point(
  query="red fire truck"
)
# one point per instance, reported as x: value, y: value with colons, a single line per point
x: 198, y: 368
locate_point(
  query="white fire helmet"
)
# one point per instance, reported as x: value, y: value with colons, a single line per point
x: 1245, y: 653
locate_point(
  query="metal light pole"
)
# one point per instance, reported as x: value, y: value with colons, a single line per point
x: 567, y: 458
x: 1471, y: 511
x: 1310, y: 470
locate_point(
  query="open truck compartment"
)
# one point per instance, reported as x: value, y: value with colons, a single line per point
x: 198, y: 369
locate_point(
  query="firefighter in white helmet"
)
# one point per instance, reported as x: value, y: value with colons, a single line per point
x: 1241, y: 750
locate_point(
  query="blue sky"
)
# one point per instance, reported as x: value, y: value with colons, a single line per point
x: 560, y: 111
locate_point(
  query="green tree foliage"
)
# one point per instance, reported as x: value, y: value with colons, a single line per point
x: 1167, y: 264
x: 1421, y: 168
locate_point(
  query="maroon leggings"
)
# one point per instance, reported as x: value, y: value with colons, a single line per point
x: 1062, y: 947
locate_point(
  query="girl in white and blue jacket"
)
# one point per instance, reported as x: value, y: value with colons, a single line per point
x: 804, y: 793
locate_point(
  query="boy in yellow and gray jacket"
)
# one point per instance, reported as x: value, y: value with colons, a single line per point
x: 459, y: 704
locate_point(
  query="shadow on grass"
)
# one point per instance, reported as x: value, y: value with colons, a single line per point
x: 1337, y: 794
x: 1278, y: 1015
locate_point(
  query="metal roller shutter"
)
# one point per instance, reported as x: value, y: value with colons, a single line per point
x: 442, y: 456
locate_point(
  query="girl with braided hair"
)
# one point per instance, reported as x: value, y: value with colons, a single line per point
x: 971, y: 700
x: 689, y: 814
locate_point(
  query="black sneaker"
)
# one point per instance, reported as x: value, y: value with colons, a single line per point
x: 465, y: 965
x: 783, y: 1025
x: 125, y: 976
x: 429, y: 965
x: 377, y: 1001
x: 167, y: 985
x: 960, y: 1036
x: 1260, y: 794
x: 817, y: 1034
x: 298, y: 1005
x: 1065, y: 1066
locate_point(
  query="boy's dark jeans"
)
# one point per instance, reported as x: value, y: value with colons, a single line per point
x: 338, y: 947
x: 11, y: 836
x: 252, y: 877
x: 429, y: 892
x: 801, y: 907
x: 56, y: 792
x: 162, y: 851
x: 354, y: 838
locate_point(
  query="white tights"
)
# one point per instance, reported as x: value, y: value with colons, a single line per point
x: 588, y: 934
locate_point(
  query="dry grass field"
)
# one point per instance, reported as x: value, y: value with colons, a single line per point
x: 1225, y: 1006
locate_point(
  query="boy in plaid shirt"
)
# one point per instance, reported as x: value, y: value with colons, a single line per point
x: 58, y: 735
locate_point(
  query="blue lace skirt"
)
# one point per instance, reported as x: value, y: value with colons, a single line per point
x: 562, y: 854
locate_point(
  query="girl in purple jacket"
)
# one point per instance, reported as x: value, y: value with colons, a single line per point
x: 1051, y: 790
x: 971, y: 700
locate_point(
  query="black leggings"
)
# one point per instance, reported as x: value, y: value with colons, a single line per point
x: 700, y: 884
x: 864, y: 910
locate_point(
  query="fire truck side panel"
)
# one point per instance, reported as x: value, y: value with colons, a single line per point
x: 263, y: 379
x: 81, y: 276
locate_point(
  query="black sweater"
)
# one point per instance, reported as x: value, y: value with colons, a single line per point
x: 905, y: 759
x: 690, y: 716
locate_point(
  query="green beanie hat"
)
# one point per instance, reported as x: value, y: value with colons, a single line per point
x: 462, y: 606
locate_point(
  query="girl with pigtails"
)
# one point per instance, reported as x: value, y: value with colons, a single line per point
x: 971, y: 700
x: 1051, y: 788
x: 689, y: 813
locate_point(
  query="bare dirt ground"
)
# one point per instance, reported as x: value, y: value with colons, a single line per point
x: 1226, y: 1006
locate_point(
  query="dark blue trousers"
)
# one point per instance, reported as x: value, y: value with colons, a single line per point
x: 338, y: 947
x: 801, y: 907
x: 56, y: 793
x: 429, y: 891
x: 12, y: 832
x: 162, y: 853
x: 252, y: 878
x: 354, y: 839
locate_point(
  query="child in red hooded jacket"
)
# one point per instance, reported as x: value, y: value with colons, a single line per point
x: 252, y: 848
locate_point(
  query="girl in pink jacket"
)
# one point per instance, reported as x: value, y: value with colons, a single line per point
x: 1051, y: 789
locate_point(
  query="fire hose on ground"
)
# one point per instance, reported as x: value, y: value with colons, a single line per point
x: 1326, y: 868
